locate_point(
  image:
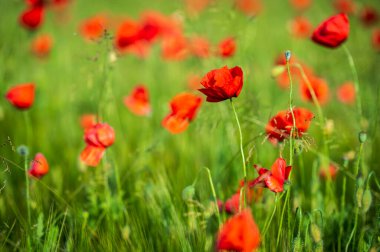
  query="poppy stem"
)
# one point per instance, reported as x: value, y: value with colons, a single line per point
x: 27, y: 202
x: 213, y: 195
x: 356, y: 83
x: 291, y: 141
x: 242, y: 154
x: 267, y: 224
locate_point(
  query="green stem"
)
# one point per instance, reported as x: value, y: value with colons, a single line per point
x: 356, y: 82
x: 267, y: 224
x: 213, y: 195
x: 242, y: 153
x: 357, y: 164
x: 354, y: 229
x: 27, y: 203
x: 282, y: 216
x: 291, y: 140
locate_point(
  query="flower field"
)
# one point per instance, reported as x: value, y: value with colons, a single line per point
x: 189, y: 125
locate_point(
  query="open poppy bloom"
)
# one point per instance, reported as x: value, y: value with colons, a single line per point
x: 239, y: 233
x: 273, y: 179
x: 21, y: 96
x: 376, y: 39
x: 300, y: 4
x: 184, y: 107
x: 345, y: 6
x: 320, y: 87
x: 346, y: 93
x: 41, y: 45
x: 333, y: 31
x: 93, y: 28
x: 279, y: 127
x: 249, y: 7
x: 199, y: 47
x: 98, y: 137
x: 232, y: 204
x: 174, y: 47
x: 369, y: 16
x: 87, y: 121
x: 227, y: 47
x: 32, y: 18
x: 138, y: 101
x: 39, y: 166
x: 222, y: 84
x: 300, y: 27
x: 127, y: 34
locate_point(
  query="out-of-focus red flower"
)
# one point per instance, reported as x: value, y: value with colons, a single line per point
x: 152, y: 25
x: 174, y: 47
x: 127, y: 34
x: 60, y: 3
x: 346, y: 93
x: 279, y: 127
x: 199, y: 47
x: 196, y: 6
x: 227, y: 47
x: 39, y: 166
x: 300, y: 27
x: 32, y: 18
x: 184, y: 108
x: 320, y: 87
x: 223, y: 83
x: 21, y: 96
x: 376, y: 39
x: 332, y: 170
x: 333, y: 31
x: 345, y: 6
x: 249, y: 7
x: 194, y: 81
x: 300, y: 4
x: 138, y: 101
x: 275, y: 178
x: 232, y: 204
x: 98, y: 137
x: 93, y: 28
x: 239, y: 233
x: 87, y: 121
x: 281, y: 75
x: 35, y: 3
x: 41, y: 45
x: 369, y: 16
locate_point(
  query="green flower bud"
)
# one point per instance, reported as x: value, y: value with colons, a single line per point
x: 362, y: 137
x: 367, y: 200
x: 188, y: 193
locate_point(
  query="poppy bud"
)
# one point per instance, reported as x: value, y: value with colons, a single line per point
x: 359, y: 196
x: 288, y: 54
x: 367, y: 200
x: 23, y: 150
x: 188, y: 193
x: 362, y: 137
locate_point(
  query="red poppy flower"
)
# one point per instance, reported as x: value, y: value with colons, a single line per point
x: 239, y: 233
x: 300, y: 27
x: 199, y: 47
x: 320, y: 87
x: 223, y: 83
x: 376, y: 39
x: 196, y: 6
x: 279, y: 127
x: 333, y: 31
x: 39, y: 166
x: 275, y: 178
x: 32, y: 18
x: 41, y: 45
x: 194, y: 81
x: 332, y: 170
x: 183, y: 110
x: 227, y: 47
x: 21, y: 96
x: 100, y: 135
x: 345, y: 6
x: 35, y: 3
x: 91, y: 155
x: 138, y: 101
x: 346, y: 93
x: 93, y: 28
x: 152, y: 25
x: 232, y: 204
x: 127, y: 34
x: 369, y: 16
x: 300, y: 4
x: 249, y: 7
x: 174, y: 47
x: 87, y: 121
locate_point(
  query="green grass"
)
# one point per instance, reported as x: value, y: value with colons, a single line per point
x: 75, y: 208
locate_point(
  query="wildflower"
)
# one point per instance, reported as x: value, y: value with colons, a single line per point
x: 376, y: 39
x: 227, y: 47
x: 138, y: 101
x: 127, y: 34
x: 345, y: 6
x: 221, y: 84
x: 275, y: 178
x: 184, y: 107
x: 300, y: 27
x: 93, y: 28
x: 21, y: 96
x: 249, y: 7
x: 174, y: 47
x: 346, y: 93
x: 199, y: 47
x: 32, y: 18
x: 41, y: 45
x: 300, y: 4
x: 369, y: 16
x: 239, y: 233
x: 39, y: 166
x: 279, y: 127
x: 333, y: 31
x: 87, y: 121
x: 320, y: 88
x: 332, y: 172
